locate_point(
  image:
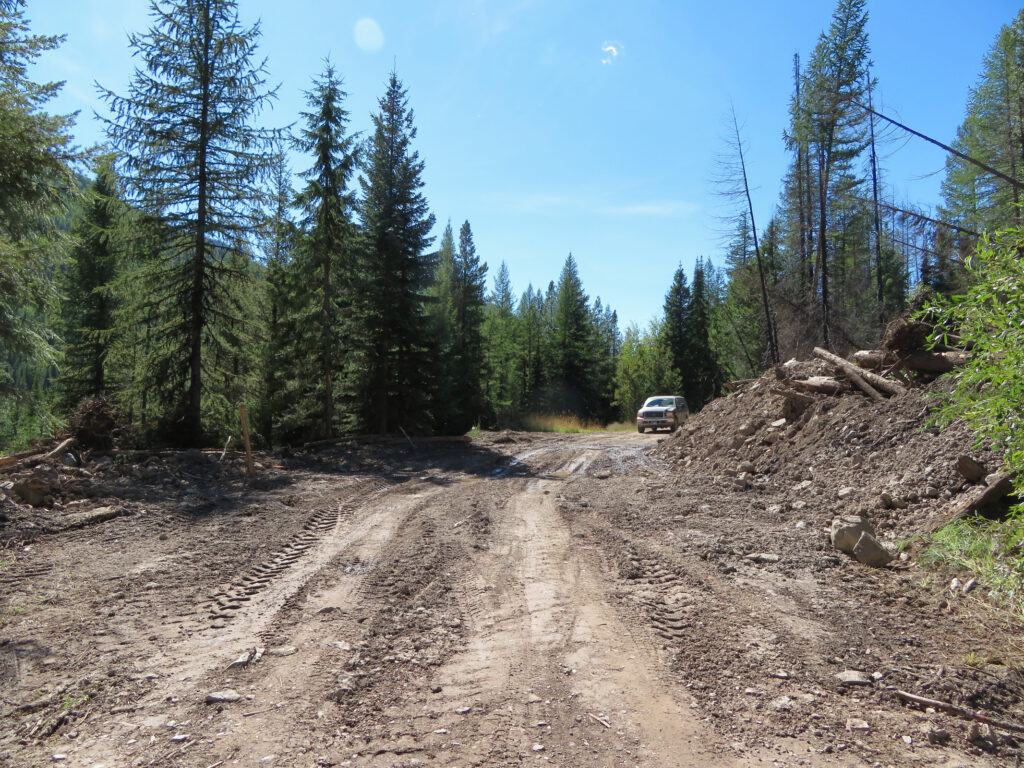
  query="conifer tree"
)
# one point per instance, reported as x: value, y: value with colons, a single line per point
x: 499, y: 331
x: 834, y: 128
x: 571, y: 381
x: 676, y: 324
x: 193, y: 160
x: 441, y: 311
x: 36, y: 183
x: 89, y: 306
x: 389, y: 371
x: 702, y: 376
x: 992, y: 132
x: 470, y: 283
x: 323, y: 269
x: 278, y: 235
x: 532, y: 346
x: 459, y: 401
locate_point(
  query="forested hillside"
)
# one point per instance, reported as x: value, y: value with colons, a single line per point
x: 185, y: 269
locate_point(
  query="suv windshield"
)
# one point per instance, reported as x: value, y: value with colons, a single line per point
x: 659, y: 402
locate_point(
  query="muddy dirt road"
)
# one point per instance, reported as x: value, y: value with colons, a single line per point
x: 519, y: 600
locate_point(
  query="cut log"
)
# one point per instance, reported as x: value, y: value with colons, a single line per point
x: 879, y: 382
x: 874, y: 359
x: 825, y: 385
x: 862, y: 385
x: 933, y: 362
x: 14, y: 458
x: 792, y: 394
x: 920, y: 361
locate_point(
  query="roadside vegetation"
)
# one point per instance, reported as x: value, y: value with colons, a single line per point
x: 988, y: 316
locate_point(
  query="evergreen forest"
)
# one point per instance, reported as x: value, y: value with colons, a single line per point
x: 184, y: 269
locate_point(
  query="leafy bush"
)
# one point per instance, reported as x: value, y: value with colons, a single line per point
x: 988, y: 392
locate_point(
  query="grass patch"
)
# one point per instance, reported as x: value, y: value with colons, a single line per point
x: 988, y: 550
x: 539, y: 422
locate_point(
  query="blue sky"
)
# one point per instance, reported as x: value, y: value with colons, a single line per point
x: 587, y: 126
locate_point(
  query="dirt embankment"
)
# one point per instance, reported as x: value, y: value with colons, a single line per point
x: 604, y: 600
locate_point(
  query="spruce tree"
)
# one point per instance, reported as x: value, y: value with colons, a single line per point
x: 389, y: 371
x: 193, y: 161
x: 278, y: 235
x: 36, y: 182
x: 572, y: 382
x: 702, y: 375
x: 834, y: 127
x: 441, y: 312
x: 89, y: 306
x: 532, y: 343
x: 499, y: 337
x: 676, y: 324
x: 468, y: 317
x: 992, y: 132
x: 323, y: 270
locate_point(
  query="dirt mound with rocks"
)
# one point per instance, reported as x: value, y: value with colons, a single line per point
x: 886, y: 460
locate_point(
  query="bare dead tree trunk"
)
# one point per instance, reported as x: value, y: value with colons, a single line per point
x: 826, y: 336
x: 878, y: 219
x: 773, y: 341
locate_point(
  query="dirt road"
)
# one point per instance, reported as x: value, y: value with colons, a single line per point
x: 525, y: 600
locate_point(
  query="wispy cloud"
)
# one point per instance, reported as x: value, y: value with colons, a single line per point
x: 610, y: 50
x: 493, y: 20
x: 654, y: 208
x: 562, y: 204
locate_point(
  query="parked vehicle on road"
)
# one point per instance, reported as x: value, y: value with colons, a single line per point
x: 662, y: 412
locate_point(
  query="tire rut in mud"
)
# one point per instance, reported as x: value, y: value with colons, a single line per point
x: 228, y: 599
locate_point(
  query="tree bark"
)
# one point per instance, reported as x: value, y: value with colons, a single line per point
x: 879, y: 382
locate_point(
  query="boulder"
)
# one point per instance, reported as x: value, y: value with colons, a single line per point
x: 870, y: 551
x: 34, y: 491
x: 970, y: 469
x: 846, y: 531
x: 852, y: 677
x: 223, y: 697
x: 746, y: 466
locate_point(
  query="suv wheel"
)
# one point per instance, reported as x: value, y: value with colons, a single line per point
x: 641, y: 430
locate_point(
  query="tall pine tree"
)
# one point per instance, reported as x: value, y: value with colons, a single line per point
x: 193, y: 160
x: 388, y: 373
x: 323, y: 270
x: 89, y: 306
x: 36, y: 182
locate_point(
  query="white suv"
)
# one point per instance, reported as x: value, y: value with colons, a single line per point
x: 661, y: 412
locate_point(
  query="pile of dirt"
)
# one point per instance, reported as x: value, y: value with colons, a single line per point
x: 887, y: 460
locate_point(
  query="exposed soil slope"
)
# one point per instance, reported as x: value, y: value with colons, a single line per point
x: 520, y: 600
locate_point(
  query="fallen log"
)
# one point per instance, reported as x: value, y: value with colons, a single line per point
x: 874, y: 359
x: 920, y: 361
x: 14, y: 458
x: 879, y: 382
x: 1000, y: 487
x: 824, y: 385
x: 863, y: 386
x: 792, y: 394
x: 733, y: 386
x: 952, y: 709
x: 63, y: 446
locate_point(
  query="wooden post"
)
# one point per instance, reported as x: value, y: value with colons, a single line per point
x: 245, y: 436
